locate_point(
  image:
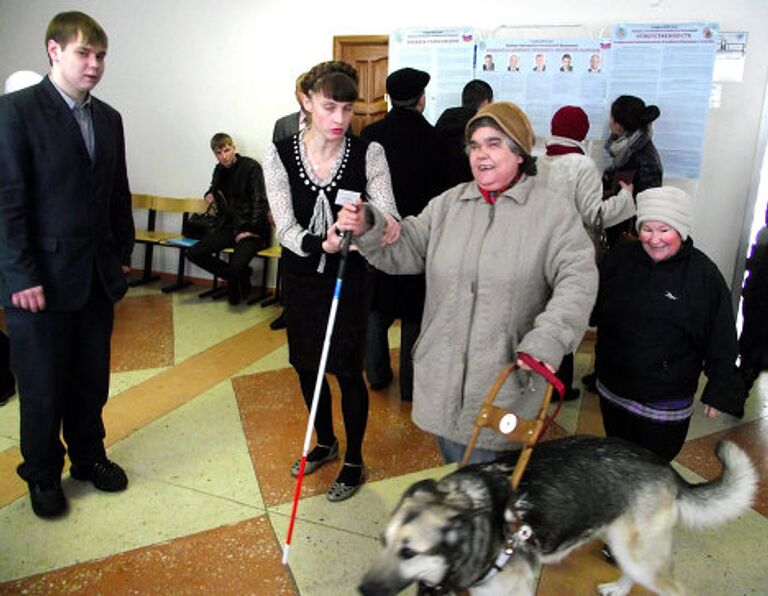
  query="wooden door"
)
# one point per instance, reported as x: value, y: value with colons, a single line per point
x: 369, y: 54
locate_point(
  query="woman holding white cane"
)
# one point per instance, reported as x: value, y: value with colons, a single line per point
x: 307, y: 176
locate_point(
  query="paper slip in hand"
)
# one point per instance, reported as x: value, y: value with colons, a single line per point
x: 346, y: 196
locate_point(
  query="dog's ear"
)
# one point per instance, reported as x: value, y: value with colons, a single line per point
x: 428, y: 486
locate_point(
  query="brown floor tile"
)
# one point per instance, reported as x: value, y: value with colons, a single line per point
x: 590, y: 418
x: 699, y: 455
x: 580, y: 573
x: 240, y: 559
x: 275, y: 417
x: 143, y: 334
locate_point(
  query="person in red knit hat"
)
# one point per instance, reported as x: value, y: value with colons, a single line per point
x: 567, y: 170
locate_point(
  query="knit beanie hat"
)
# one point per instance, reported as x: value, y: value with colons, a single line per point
x: 570, y: 122
x: 511, y: 119
x: 666, y: 204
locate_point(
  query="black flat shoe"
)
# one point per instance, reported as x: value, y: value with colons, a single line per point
x: 47, y: 498
x: 383, y: 384
x: 278, y: 323
x: 346, y: 485
x: 104, y: 474
x: 320, y: 455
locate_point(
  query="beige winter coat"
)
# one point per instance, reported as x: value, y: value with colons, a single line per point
x: 517, y: 275
x: 576, y: 177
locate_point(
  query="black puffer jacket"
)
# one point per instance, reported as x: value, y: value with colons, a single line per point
x: 659, y: 325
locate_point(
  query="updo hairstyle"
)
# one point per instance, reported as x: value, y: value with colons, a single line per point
x: 632, y: 113
x: 335, y: 79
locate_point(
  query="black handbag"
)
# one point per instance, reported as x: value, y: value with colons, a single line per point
x: 202, y: 225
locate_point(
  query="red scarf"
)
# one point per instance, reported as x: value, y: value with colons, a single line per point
x: 562, y: 150
x: 491, y: 195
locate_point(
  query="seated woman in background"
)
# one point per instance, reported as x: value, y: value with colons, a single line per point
x: 304, y: 174
x: 636, y: 165
x: 509, y: 269
x: 663, y: 317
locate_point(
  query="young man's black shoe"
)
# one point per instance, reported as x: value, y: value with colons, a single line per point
x: 47, y: 497
x: 104, y: 474
x: 278, y: 323
x: 6, y: 394
x: 233, y: 291
x: 7, y: 387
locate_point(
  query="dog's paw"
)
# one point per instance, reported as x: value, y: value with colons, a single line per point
x: 617, y: 588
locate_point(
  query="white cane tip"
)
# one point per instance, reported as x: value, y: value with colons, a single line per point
x: 286, y: 548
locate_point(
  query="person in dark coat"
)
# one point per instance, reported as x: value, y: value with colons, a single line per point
x: 411, y: 146
x: 285, y: 127
x: 753, y: 342
x: 7, y: 380
x: 450, y: 128
x: 66, y: 237
x: 663, y: 316
x: 237, y: 190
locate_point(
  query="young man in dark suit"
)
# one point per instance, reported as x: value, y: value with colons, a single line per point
x: 66, y: 236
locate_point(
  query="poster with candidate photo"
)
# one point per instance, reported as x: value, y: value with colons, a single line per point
x: 542, y: 75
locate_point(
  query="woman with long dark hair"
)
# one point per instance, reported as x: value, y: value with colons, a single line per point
x: 635, y: 164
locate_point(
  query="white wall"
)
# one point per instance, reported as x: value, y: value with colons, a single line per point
x: 179, y: 70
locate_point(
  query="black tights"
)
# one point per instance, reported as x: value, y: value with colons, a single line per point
x: 354, y: 407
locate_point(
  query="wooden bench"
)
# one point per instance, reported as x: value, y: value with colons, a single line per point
x: 152, y: 237
x: 265, y: 254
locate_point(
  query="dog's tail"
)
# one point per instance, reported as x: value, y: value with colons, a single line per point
x: 724, y: 498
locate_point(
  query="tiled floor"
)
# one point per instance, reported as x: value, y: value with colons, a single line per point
x: 206, y: 417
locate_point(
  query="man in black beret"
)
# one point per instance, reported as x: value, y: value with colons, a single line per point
x: 410, y: 143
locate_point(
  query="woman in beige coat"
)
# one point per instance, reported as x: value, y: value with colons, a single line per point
x: 509, y: 269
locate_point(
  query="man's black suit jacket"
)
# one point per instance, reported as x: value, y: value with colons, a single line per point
x: 286, y: 127
x: 63, y: 219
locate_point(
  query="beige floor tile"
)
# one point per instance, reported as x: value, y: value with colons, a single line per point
x: 99, y: 525
x: 199, y: 446
x: 326, y: 561
x: 201, y: 323
x: 728, y: 560
x: 9, y: 421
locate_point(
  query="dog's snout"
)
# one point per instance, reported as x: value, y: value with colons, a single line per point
x: 374, y: 588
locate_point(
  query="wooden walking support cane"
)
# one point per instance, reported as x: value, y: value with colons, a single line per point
x: 510, y: 425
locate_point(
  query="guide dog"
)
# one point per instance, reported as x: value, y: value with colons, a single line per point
x: 470, y: 531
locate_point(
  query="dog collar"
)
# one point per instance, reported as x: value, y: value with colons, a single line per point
x: 504, y: 556
x: 521, y: 534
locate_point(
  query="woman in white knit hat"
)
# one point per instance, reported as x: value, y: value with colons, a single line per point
x: 663, y: 317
